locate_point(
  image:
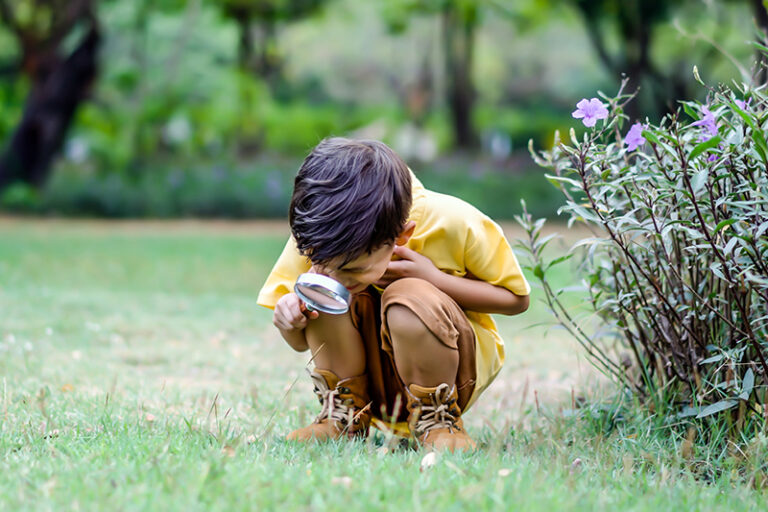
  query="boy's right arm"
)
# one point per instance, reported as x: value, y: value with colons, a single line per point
x: 291, y: 319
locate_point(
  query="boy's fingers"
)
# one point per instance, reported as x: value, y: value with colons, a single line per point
x: 287, y: 319
x: 306, y: 312
x: 285, y: 323
x: 297, y: 322
x: 404, y: 252
x: 395, y: 268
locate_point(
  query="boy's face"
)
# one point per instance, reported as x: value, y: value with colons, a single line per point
x: 366, y: 269
x: 361, y: 272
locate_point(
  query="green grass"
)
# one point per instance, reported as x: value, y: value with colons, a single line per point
x: 139, y: 373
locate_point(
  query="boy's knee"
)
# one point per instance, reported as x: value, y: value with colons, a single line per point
x: 406, y: 285
x: 403, y: 323
x: 418, y: 311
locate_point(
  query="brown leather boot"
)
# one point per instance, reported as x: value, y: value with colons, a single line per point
x: 435, y: 418
x: 345, y: 408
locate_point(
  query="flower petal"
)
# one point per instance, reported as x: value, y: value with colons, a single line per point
x: 583, y: 104
x: 598, y: 108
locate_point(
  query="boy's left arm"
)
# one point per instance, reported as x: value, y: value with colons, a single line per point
x: 470, y: 294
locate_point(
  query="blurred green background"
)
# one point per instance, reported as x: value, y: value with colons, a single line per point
x: 205, y: 108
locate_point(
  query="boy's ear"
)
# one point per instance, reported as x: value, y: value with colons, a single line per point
x: 406, y: 233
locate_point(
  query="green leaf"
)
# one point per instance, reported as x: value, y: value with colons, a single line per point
x: 761, y: 229
x: 712, y: 359
x: 699, y: 179
x: 760, y: 46
x: 689, y: 411
x: 716, y: 269
x: 650, y: 136
x: 744, y: 116
x: 588, y: 241
x: 585, y: 214
x: 723, y: 223
x: 556, y: 180
x: 717, y: 407
x: 541, y: 244
x: 688, y: 110
x: 707, y: 144
x: 760, y: 145
x: 559, y: 260
x: 747, y: 384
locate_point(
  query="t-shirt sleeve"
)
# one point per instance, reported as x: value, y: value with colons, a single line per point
x: 280, y: 281
x: 489, y: 257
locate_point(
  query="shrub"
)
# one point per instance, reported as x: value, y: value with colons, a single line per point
x: 676, y: 273
x: 200, y: 189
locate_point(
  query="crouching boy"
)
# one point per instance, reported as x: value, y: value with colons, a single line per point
x: 425, y: 271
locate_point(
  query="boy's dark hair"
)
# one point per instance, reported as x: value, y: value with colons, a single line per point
x: 349, y: 197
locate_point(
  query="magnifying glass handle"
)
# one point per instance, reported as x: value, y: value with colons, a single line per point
x: 306, y: 309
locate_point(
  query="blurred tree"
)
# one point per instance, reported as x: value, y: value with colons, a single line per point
x: 258, y: 22
x: 634, y: 23
x: 458, y: 20
x: 59, y: 79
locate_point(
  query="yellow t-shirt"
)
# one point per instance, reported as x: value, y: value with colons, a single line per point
x: 459, y: 239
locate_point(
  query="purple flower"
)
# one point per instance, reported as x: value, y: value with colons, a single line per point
x: 634, y: 137
x: 708, y: 122
x: 743, y: 105
x: 589, y: 111
x: 714, y: 157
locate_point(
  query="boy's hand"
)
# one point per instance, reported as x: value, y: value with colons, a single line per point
x: 410, y: 264
x: 291, y: 313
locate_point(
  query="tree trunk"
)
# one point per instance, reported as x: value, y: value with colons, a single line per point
x: 245, y: 46
x: 270, y: 66
x: 637, y: 65
x: 58, y: 87
x: 458, y: 47
x: 255, y: 54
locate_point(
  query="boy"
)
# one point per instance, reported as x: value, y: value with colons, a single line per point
x: 424, y: 270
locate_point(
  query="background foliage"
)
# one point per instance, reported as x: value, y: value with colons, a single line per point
x: 194, y: 88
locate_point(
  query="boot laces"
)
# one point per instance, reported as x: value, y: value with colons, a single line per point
x: 333, y: 407
x: 439, y: 414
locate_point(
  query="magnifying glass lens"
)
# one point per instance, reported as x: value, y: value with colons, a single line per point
x: 321, y: 298
x: 322, y: 293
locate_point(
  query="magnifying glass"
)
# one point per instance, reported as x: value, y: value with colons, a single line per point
x: 322, y: 293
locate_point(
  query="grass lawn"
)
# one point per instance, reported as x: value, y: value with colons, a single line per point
x: 139, y: 373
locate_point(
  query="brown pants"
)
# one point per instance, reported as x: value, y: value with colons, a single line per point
x: 439, y: 313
